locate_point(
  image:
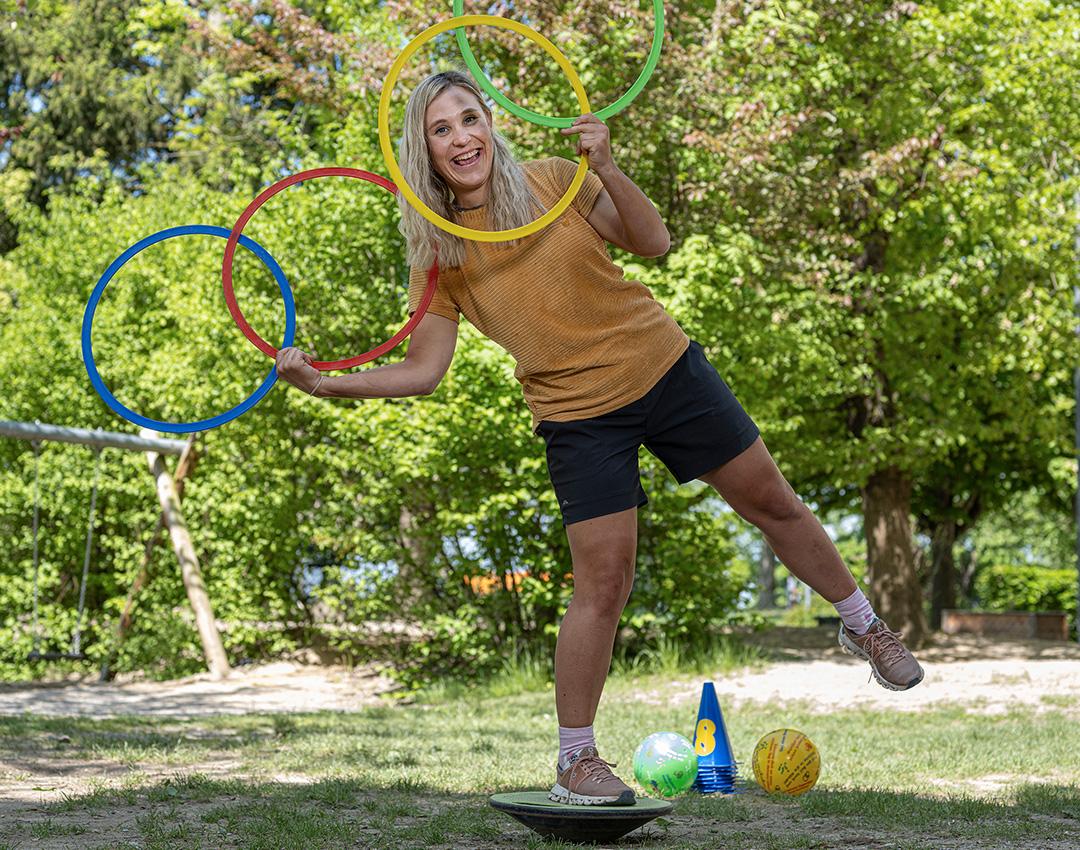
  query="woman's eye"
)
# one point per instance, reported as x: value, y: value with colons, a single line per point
x: 469, y: 119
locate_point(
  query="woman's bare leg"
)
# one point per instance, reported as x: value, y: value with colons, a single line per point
x: 757, y: 491
x: 603, y: 551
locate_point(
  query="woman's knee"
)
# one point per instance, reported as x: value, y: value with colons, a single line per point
x: 603, y: 551
x: 777, y: 505
x: 755, y: 488
x: 766, y: 503
x: 603, y: 584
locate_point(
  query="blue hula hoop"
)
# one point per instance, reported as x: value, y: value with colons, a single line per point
x: 95, y: 297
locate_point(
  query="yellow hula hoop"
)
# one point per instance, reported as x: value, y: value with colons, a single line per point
x: 391, y: 161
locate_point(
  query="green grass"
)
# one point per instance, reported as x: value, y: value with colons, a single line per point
x: 405, y: 776
x: 50, y: 828
x: 529, y: 671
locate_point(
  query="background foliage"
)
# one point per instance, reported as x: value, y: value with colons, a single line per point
x: 872, y: 212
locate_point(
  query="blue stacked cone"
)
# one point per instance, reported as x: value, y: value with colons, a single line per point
x: 717, y: 767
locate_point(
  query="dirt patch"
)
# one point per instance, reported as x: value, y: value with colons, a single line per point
x: 984, y: 677
x: 117, y: 826
x: 988, y: 687
x: 273, y: 688
x: 43, y: 779
x: 988, y: 676
x: 749, y: 821
x: 998, y: 783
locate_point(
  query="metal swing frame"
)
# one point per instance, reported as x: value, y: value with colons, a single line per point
x: 97, y: 440
x: 76, y: 653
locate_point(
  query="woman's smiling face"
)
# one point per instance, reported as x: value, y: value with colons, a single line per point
x: 459, y: 141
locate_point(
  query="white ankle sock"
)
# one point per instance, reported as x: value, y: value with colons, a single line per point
x: 856, y: 612
x: 572, y: 739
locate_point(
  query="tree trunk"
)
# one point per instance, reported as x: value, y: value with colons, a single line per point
x: 419, y: 551
x: 766, y: 577
x: 943, y: 571
x: 213, y: 650
x: 894, y: 587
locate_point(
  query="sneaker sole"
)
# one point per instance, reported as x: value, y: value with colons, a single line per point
x: 558, y: 794
x: 852, y: 648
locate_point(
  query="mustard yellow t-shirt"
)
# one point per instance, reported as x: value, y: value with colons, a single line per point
x: 586, y: 339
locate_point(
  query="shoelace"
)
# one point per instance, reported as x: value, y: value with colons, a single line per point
x: 594, y: 765
x: 886, y: 643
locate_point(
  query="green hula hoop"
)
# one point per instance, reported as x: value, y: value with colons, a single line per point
x: 547, y: 120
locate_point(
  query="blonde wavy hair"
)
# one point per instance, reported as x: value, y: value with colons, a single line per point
x: 511, y: 202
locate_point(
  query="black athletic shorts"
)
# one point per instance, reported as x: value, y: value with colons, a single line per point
x: 689, y: 419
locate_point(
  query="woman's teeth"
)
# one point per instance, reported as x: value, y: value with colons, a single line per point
x: 467, y: 160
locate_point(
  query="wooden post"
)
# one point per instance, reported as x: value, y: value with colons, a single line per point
x: 216, y: 660
x: 184, y: 467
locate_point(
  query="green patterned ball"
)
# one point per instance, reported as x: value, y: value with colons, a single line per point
x: 665, y: 763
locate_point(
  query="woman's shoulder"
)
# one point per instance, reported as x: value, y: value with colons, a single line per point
x: 553, y: 173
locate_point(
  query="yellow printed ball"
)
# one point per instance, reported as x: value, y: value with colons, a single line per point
x: 786, y: 761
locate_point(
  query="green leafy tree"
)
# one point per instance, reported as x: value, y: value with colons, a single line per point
x: 886, y: 281
x: 83, y: 83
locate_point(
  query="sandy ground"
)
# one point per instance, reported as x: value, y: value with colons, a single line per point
x: 279, y: 687
x: 986, y: 676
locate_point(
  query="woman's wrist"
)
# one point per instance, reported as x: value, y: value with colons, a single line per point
x: 318, y: 383
x: 606, y: 171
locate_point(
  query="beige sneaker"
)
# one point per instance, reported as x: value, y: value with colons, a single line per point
x: 588, y: 781
x: 894, y: 666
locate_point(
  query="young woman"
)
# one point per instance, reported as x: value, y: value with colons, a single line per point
x: 604, y: 369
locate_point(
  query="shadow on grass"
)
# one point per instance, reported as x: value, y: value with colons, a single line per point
x: 75, y: 736
x: 195, y: 811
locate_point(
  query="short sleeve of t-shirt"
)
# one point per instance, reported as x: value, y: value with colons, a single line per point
x: 442, y: 304
x: 558, y: 172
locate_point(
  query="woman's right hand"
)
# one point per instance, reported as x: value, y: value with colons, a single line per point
x: 294, y: 366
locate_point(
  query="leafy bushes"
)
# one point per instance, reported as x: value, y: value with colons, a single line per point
x: 1011, y: 587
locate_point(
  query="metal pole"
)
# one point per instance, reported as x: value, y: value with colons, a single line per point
x: 1076, y: 500
x: 37, y: 524
x: 1076, y: 398
x: 76, y: 641
x: 97, y: 439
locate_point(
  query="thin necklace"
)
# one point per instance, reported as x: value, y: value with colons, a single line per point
x: 457, y: 208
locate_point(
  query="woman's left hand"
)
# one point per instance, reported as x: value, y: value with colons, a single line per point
x: 594, y: 140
